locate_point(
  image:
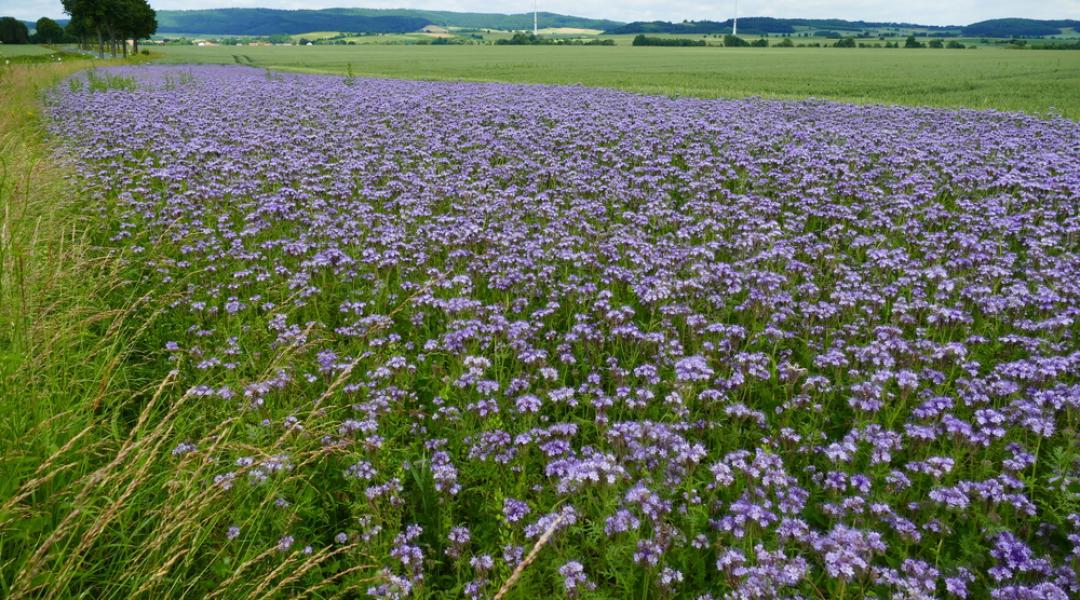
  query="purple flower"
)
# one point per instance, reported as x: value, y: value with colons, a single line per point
x: 693, y: 368
x: 514, y: 510
x: 574, y: 578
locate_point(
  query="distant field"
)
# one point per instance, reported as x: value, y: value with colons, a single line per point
x: 22, y: 50
x: 1030, y: 81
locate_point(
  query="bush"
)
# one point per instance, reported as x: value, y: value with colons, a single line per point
x: 13, y: 31
x: 643, y: 40
x: 734, y: 41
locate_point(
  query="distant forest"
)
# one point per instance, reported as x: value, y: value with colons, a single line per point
x: 264, y: 21
x: 1001, y: 28
x: 1018, y: 28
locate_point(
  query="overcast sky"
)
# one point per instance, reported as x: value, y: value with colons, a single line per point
x: 927, y: 12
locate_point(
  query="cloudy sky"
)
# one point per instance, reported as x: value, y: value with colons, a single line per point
x: 929, y: 12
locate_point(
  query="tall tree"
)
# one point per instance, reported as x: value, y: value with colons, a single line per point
x: 138, y: 21
x: 79, y: 30
x: 13, y: 31
x: 48, y: 31
x: 92, y: 16
x: 89, y: 15
x: 113, y: 21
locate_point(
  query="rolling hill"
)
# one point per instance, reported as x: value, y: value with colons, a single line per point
x: 1018, y: 27
x: 999, y: 28
x: 264, y: 21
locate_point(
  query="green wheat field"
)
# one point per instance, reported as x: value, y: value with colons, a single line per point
x: 985, y: 78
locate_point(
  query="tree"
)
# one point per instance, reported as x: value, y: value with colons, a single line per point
x: 936, y: 44
x: 138, y: 21
x: 78, y: 30
x: 848, y: 42
x: 911, y: 42
x: 112, y: 20
x: 48, y: 31
x: 89, y: 17
x: 13, y: 31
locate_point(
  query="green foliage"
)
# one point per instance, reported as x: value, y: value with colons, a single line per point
x: 113, y: 20
x: 523, y: 39
x: 108, y: 81
x: 1007, y: 28
x: 528, y: 39
x: 1057, y: 45
x: 734, y: 41
x: 911, y: 42
x: 13, y: 31
x: 936, y: 44
x: 48, y: 31
x: 848, y: 42
x: 643, y: 40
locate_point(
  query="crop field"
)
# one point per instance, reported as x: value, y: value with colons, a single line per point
x: 1031, y: 81
x: 391, y: 339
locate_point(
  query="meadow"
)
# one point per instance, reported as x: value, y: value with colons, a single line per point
x: 1036, y: 82
x: 294, y: 335
x: 12, y: 50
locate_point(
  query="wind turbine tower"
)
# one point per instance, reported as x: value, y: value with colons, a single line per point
x: 735, y: 21
x: 535, y: 17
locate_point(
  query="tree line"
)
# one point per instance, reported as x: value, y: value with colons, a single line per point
x: 110, y: 23
x: 46, y: 31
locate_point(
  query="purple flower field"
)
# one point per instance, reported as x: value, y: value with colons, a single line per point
x: 680, y: 348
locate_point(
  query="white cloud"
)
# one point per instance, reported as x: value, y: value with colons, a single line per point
x: 930, y: 12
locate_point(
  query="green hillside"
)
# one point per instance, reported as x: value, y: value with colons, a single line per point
x: 998, y: 28
x: 1019, y: 28
x: 264, y: 21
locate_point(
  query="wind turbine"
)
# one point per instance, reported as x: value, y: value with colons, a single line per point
x: 735, y: 22
x: 535, y: 16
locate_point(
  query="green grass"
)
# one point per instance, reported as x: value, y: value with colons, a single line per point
x: 986, y: 78
x: 73, y: 383
x: 10, y: 50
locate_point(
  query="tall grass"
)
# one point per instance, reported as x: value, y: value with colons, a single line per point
x: 87, y: 505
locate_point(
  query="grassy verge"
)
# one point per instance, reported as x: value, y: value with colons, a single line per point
x: 91, y: 504
x: 69, y: 347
